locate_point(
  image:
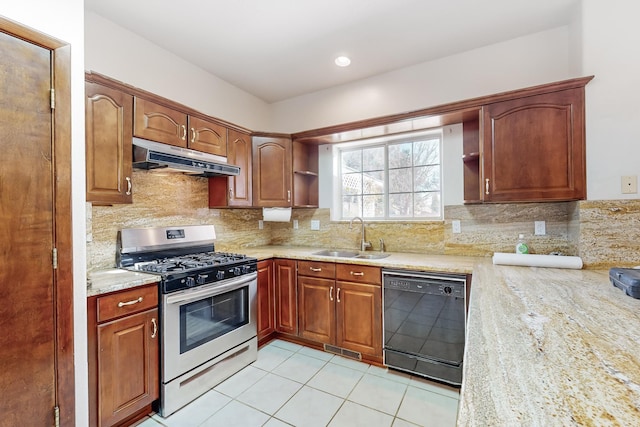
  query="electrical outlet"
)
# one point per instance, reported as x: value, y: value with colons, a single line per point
x: 315, y: 224
x: 295, y: 224
x: 455, y: 226
x: 260, y: 224
x: 540, y: 228
x: 629, y: 184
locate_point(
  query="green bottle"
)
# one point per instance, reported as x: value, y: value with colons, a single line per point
x: 521, y: 246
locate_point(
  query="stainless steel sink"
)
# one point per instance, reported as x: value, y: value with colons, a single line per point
x: 350, y: 254
x: 336, y: 253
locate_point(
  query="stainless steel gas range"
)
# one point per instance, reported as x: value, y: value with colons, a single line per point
x: 208, y: 309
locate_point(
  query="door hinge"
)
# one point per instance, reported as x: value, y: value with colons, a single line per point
x: 56, y: 416
x: 53, y: 98
x: 55, y: 258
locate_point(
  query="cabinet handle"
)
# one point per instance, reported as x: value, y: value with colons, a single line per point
x: 184, y: 132
x: 129, y: 186
x: 135, y: 301
x: 288, y: 195
x: 338, y: 295
x: 155, y: 328
x: 317, y: 270
x: 193, y: 135
x: 486, y: 186
x: 356, y: 273
x: 231, y: 194
x: 331, y: 293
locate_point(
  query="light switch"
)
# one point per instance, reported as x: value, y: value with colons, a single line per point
x: 540, y: 228
x: 455, y: 226
x: 260, y: 224
x: 295, y: 224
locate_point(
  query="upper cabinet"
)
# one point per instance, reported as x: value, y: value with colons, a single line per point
x: 162, y: 124
x: 534, y: 148
x: 108, y: 131
x: 272, y: 171
x: 234, y: 191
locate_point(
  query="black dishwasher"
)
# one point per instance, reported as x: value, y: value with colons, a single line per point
x: 424, y: 323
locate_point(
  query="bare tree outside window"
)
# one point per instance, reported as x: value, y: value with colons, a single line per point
x: 393, y: 180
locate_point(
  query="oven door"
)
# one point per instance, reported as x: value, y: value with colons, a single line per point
x: 201, y: 323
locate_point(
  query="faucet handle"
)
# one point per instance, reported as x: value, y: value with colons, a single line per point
x: 381, y: 245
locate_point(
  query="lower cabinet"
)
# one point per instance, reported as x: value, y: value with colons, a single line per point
x: 266, y: 299
x: 123, y: 355
x: 286, y: 307
x: 341, y: 305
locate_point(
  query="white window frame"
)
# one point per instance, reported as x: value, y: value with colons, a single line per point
x: 337, y: 149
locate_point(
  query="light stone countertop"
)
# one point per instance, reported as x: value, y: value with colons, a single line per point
x: 115, y: 279
x: 550, y: 347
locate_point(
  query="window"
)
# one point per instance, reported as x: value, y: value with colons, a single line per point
x: 391, y: 179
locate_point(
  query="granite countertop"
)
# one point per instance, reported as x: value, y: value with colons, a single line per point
x: 550, y: 347
x: 115, y: 279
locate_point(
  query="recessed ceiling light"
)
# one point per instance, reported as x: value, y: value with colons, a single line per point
x: 342, y: 61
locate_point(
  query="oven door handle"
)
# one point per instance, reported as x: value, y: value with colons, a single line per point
x: 210, y: 290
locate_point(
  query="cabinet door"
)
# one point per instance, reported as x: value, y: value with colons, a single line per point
x: 158, y: 123
x: 266, y: 299
x: 286, y: 299
x: 207, y: 136
x: 359, y: 317
x: 316, y: 309
x: 234, y: 191
x: 108, y: 133
x: 271, y: 171
x: 128, y: 375
x: 534, y: 148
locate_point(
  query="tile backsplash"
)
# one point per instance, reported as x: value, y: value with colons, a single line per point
x: 603, y: 233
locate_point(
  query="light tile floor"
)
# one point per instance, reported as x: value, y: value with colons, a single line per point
x: 292, y: 385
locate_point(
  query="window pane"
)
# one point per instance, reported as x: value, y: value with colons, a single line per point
x: 427, y: 178
x: 400, y: 155
x: 426, y: 152
x: 351, y: 161
x: 401, y: 205
x: 351, y: 183
x: 373, y: 159
x: 373, y: 183
x: 427, y: 204
x: 400, y: 180
x: 351, y: 206
x: 373, y: 206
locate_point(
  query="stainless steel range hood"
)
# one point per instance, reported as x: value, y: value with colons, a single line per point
x: 153, y: 155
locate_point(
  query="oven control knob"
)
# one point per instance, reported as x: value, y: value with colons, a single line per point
x: 447, y: 290
x: 201, y: 279
x: 246, y: 269
x: 236, y: 271
x: 190, y: 282
x: 220, y: 275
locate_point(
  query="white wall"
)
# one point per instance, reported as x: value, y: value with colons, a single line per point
x: 611, y: 37
x: 525, y: 61
x: 123, y: 55
x: 64, y: 20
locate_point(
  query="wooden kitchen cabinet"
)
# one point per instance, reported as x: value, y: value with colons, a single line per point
x: 305, y: 175
x: 158, y: 123
x: 316, y: 301
x: 266, y: 300
x: 272, y: 174
x: 234, y: 191
x: 108, y: 132
x: 123, y: 355
x: 286, y: 304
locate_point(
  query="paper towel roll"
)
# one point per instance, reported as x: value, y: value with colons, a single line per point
x: 276, y: 214
x: 529, y: 260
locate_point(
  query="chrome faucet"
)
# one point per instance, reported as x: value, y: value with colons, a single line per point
x: 363, y: 243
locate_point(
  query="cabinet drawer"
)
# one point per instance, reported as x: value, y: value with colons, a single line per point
x: 358, y: 273
x: 326, y: 270
x: 122, y: 303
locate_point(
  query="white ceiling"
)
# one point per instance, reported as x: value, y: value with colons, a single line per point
x: 279, y: 49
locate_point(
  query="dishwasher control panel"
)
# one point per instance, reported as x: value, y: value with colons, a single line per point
x: 425, y: 283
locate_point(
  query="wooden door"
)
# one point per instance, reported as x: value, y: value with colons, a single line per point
x: 34, y: 332
x: 128, y: 368
x: 108, y: 130
x: 207, y: 136
x: 266, y: 299
x: 272, y: 165
x: 316, y: 309
x: 158, y: 123
x: 534, y: 148
x: 286, y: 299
x: 359, y: 317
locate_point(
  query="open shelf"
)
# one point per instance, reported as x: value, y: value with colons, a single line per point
x: 305, y: 175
